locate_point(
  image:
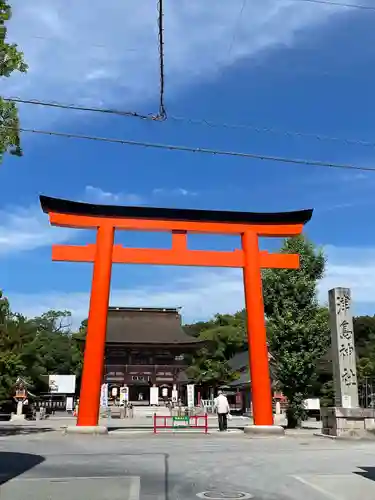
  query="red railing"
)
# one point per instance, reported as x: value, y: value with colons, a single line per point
x: 168, y: 422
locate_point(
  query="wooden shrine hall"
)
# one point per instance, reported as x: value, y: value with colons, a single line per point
x: 147, y: 347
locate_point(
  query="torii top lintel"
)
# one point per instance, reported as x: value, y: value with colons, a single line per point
x: 85, y: 215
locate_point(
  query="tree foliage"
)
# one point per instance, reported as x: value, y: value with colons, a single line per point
x: 224, y: 336
x: 33, y: 348
x: 298, y: 327
x: 11, y: 60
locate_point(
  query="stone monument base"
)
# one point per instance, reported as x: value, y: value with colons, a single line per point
x: 350, y: 423
x: 88, y: 430
x: 17, y: 418
x: 258, y: 431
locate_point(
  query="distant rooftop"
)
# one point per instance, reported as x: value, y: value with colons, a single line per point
x: 146, y: 309
x: 147, y: 325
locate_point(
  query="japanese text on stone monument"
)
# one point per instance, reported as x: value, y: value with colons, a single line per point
x: 343, y: 348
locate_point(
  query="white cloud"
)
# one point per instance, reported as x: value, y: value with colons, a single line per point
x: 205, y: 292
x: 106, y: 53
x: 201, y: 294
x: 173, y: 192
x: 27, y: 229
x: 98, y: 195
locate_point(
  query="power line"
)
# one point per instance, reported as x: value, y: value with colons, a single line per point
x: 194, y: 121
x: 339, y: 4
x: 160, y: 116
x: 78, y: 107
x: 255, y: 66
x: 162, y: 111
x: 236, y: 26
x: 80, y: 42
x: 190, y: 149
x: 271, y: 130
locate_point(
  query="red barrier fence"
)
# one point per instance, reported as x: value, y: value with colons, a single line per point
x: 169, y: 422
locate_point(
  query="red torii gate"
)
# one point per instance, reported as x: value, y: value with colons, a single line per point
x: 106, y: 219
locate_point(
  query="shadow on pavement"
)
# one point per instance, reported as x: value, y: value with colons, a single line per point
x: 15, y: 464
x: 367, y: 472
x: 18, y: 430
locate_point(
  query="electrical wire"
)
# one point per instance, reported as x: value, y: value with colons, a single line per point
x: 193, y: 121
x: 271, y: 130
x: 339, y: 4
x: 78, y: 107
x: 191, y: 149
x: 96, y: 45
x: 208, y: 123
x: 162, y: 111
x: 160, y: 116
x: 236, y: 26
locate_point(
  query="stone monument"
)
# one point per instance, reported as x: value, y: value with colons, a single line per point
x: 346, y: 418
x: 343, y: 348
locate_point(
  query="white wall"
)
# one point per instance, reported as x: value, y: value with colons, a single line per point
x: 62, y: 384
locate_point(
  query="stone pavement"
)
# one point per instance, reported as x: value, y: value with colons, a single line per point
x: 135, y: 425
x: 175, y: 467
x: 136, y: 422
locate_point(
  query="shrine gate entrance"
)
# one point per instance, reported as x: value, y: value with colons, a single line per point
x: 106, y: 219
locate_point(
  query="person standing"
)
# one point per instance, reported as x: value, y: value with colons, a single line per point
x: 222, y: 408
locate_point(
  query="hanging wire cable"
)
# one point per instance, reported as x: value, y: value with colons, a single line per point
x: 160, y: 116
x: 271, y: 130
x: 339, y: 4
x: 196, y: 121
x: 162, y: 111
x: 191, y: 149
x: 78, y: 107
x: 236, y: 27
x: 80, y: 42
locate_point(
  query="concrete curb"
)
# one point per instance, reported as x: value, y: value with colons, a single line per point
x: 94, y: 430
x: 262, y: 431
x: 365, y: 437
x: 326, y: 436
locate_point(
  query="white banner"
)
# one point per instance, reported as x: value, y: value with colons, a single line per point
x: 154, y: 395
x: 104, y: 396
x: 124, y: 394
x: 190, y: 395
x: 69, y: 403
x: 174, y: 396
x: 62, y: 384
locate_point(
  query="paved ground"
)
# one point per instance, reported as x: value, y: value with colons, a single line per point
x: 140, y: 422
x: 46, y: 465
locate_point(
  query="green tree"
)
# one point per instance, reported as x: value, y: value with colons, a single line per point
x: 51, y: 349
x: 194, y: 329
x: 364, y: 334
x: 223, y: 339
x: 10, y: 359
x: 298, y: 328
x: 78, y: 347
x: 11, y: 59
x: 35, y: 348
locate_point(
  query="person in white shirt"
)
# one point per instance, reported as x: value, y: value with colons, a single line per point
x: 222, y: 408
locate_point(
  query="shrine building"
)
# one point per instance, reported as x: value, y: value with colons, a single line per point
x: 147, y: 347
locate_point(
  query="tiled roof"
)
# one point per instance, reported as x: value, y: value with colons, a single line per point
x: 240, y: 363
x: 241, y: 360
x: 146, y: 326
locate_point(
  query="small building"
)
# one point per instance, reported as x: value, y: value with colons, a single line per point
x: 147, y: 347
x: 242, y: 385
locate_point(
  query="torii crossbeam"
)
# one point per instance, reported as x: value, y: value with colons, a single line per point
x: 106, y: 219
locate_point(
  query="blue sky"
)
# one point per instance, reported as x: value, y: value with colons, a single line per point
x: 286, y: 64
